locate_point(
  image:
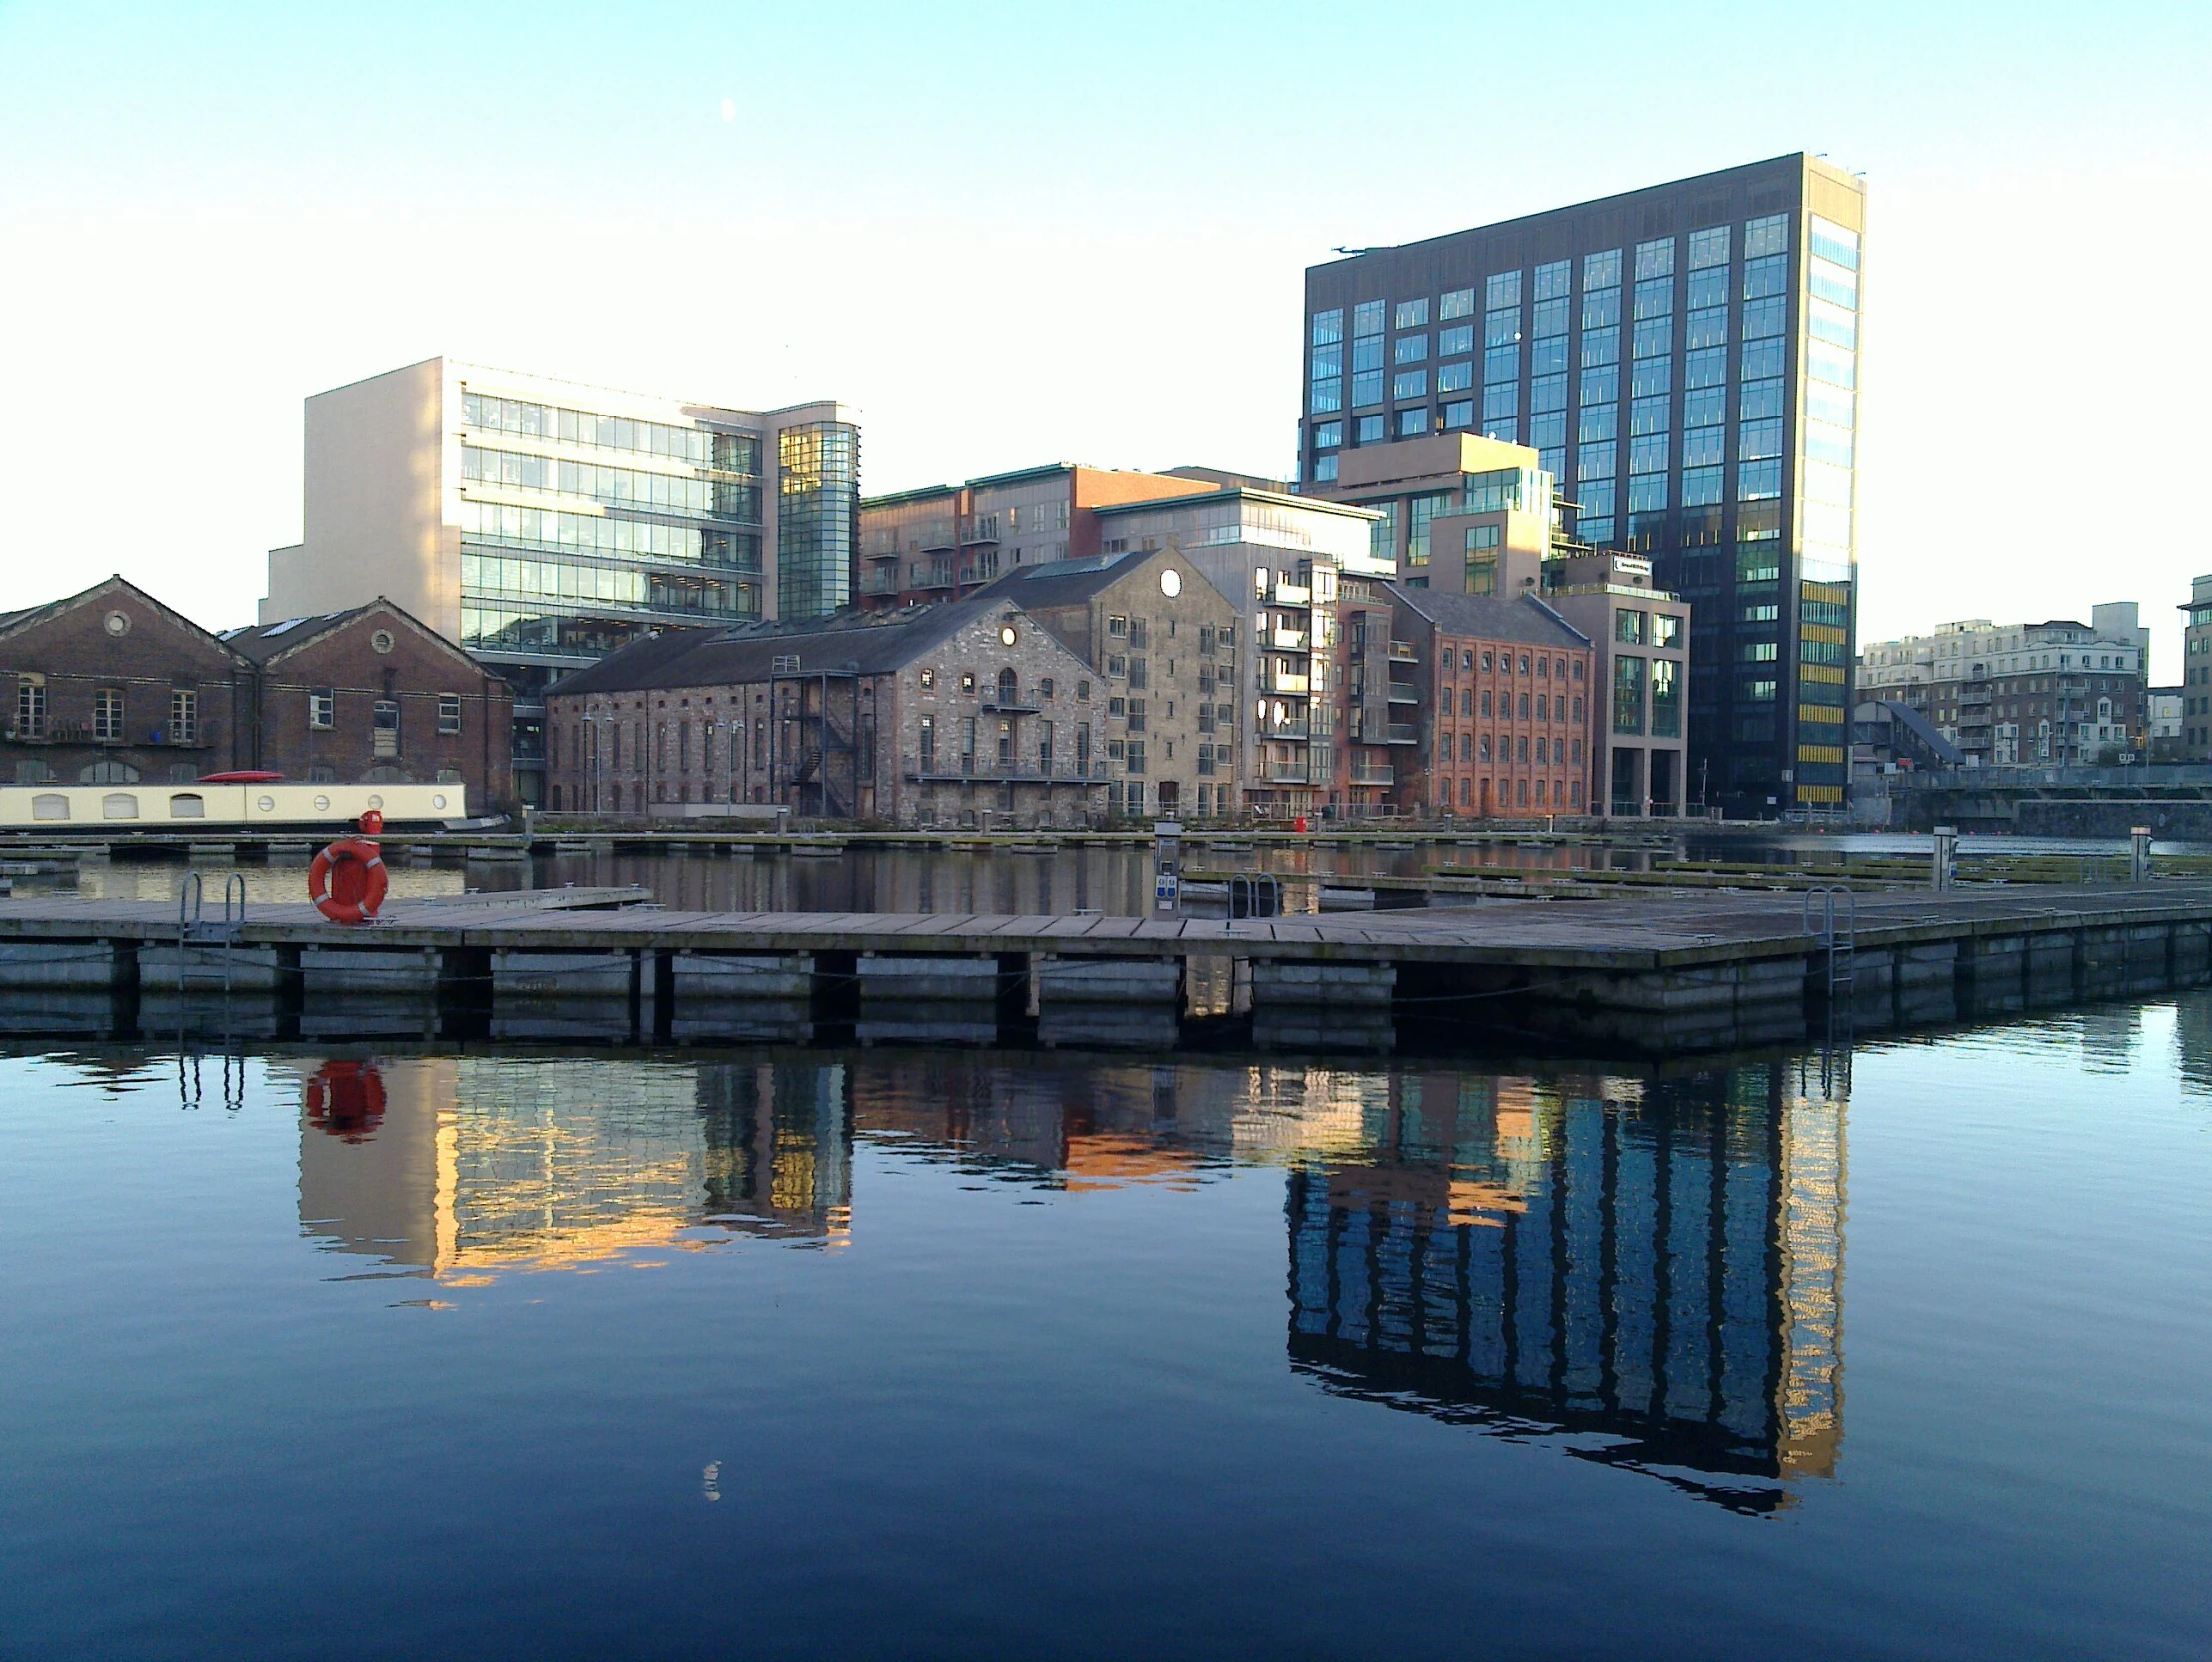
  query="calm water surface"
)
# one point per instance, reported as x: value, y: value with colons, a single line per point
x: 902, y: 1353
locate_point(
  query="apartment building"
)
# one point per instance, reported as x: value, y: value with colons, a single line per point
x: 1161, y: 643
x: 1505, y: 690
x: 945, y: 541
x: 1684, y: 361
x: 2196, y: 672
x: 543, y: 523
x: 960, y: 714
x: 2059, y: 693
x: 1280, y: 560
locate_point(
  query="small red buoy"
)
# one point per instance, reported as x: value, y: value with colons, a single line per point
x: 1299, y: 824
x: 346, y: 880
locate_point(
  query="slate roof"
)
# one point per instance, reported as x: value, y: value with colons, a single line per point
x: 858, y: 645
x: 1068, y: 582
x: 1486, y: 617
x: 263, y: 641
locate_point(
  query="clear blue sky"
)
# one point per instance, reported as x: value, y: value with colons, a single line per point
x: 1012, y: 234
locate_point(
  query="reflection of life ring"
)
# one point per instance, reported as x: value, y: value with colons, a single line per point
x: 346, y: 880
x: 346, y: 1099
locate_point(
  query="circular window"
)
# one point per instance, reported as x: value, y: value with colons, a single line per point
x: 1006, y: 635
x: 375, y: 803
x: 437, y: 802
x: 322, y: 804
x: 118, y: 624
x: 267, y: 804
x: 1171, y: 583
x: 381, y: 641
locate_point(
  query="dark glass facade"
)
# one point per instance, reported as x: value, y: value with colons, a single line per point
x: 1685, y: 362
x: 818, y: 517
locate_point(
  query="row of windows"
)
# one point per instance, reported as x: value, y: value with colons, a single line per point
x: 1469, y: 657
x: 1563, y: 794
x: 1477, y: 747
x: 725, y: 452
x: 601, y: 535
x: 1474, y: 703
x: 109, y: 723
x: 1652, y: 683
x: 617, y: 487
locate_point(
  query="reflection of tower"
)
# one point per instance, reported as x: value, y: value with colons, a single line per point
x: 778, y: 1149
x: 1657, y: 1265
x: 2110, y: 1034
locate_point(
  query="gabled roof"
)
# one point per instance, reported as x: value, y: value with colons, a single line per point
x: 32, y: 615
x: 266, y: 643
x: 1074, y: 582
x: 850, y: 644
x: 1486, y: 617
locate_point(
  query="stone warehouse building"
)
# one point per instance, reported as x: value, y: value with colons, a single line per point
x: 959, y: 714
x: 110, y: 686
x: 1505, y: 690
x: 1161, y: 643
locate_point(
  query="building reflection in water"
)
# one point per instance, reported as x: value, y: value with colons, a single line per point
x: 1650, y: 1269
x: 464, y: 1165
x: 1653, y: 1269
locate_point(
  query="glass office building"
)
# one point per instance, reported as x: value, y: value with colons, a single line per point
x: 543, y: 523
x: 1685, y: 361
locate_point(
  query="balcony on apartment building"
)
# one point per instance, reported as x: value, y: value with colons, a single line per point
x: 1289, y: 640
x: 933, y: 576
x: 1402, y: 653
x: 1404, y: 692
x: 1273, y: 679
x: 1287, y: 732
x: 1373, y: 773
x: 1284, y: 773
x: 1291, y: 595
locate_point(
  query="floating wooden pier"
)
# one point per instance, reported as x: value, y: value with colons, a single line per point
x: 1650, y: 974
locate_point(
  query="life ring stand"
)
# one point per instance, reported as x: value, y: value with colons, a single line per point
x: 346, y: 880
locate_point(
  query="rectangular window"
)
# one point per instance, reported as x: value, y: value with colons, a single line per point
x: 1652, y: 376
x: 1551, y: 279
x: 1547, y: 392
x: 1328, y: 435
x: 1409, y: 384
x: 1767, y: 279
x: 1548, y: 432
x: 449, y: 713
x: 1596, y: 461
x: 1709, y: 327
x: 384, y: 728
x: 1709, y: 289
x: 1367, y: 389
x: 1826, y: 320
x: 1650, y: 454
x: 1325, y: 470
x: 1767, y: 236
x: 1456, y: 302
x: 1549, y: 317
x: 30, y: 708
x: 1702, y: 487
x: 1759, y: 481
x: 1328, y: 327
x: 184, y: 717
x: 1655, y: 298
x: 1601, y: 271
x: 1411, y: 349
x: 1597, y: 423
x: 107, y: 715
x: 1703, y: 446
x: 1600, y: 308
x: 1600, y: 345
x: 1327, y: 396
x: 1412, y: 313
x: 1599, y: 385
x: 1458, y: 413
x: 1760, y: 442
x: 1656, y: 259
x: 1454, y: 377
x: 1705, y: 407
x: 1413, y: 424
x: 1370, y: 428
x: 1764, y: 318
x: 1834, y: 243
x: 1647, y: 416
x: 1502, y: 289
x: 1628, y: 695
x: 1709, y: 247
x: 1367, y: 317
x: 1458, y: 339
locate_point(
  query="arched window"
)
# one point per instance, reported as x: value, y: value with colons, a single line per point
x: 119, y: 805
x: 108, y: 773
x: 1009, y: 687
x: 188, y: 805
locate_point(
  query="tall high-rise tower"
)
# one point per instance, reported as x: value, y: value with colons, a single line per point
x: 1684, y: 359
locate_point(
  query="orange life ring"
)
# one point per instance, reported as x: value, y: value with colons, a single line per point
x: 346, y: 880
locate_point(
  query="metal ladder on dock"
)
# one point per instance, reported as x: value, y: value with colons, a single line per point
x: 1834, y: 929
x: 196, y: 929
